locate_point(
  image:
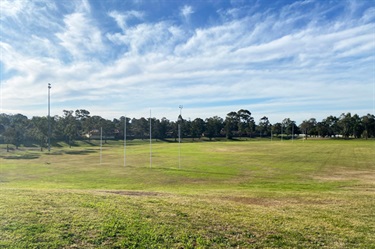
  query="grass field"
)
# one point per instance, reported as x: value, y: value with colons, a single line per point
x: 242, y: 194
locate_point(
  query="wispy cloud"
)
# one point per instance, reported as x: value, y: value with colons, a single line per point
x: 187, y: 11
x: 11, y: 8
x: 276, y: 62
x: 80, y: 38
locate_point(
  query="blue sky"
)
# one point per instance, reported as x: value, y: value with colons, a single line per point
x: 295, y: 59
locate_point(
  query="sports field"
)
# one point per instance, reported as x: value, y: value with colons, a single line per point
x: 237, y: 194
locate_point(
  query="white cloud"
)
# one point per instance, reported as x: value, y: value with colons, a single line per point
x: 146, y: 38
x: 122, y: 18
x: 271, y: 64
x: 80, y: 37
x: 11, y: 8
x: 186, y: 11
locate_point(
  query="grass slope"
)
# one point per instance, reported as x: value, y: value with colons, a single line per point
x: 246, y: 194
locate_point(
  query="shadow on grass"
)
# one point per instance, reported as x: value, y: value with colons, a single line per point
x: 79, y: 152
x: 22, y: 157
x: 55, y: 153
x: 182, y: 170
x: 89, y: 143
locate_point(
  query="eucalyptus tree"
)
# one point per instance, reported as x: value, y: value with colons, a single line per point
x: 246, y: 124
x: 4, y: 120
x: 2, y: 129
x: 186, y: 127
x: 4, y: 123
x: 197, y: 128
x: 69, y: 127
x: 164, y: 127
x: 368, y: 122
x: 357, y: 126
x: 10, y: 137
x: 82, y: 121
x: 140, y: 127
x: 108, y: 129
x: 289, y: 127
x: 16, y: 130
x: 214, y: 125
x: 322, y: 129
x: 307, y: 127
x: 333, y: 128
x: 39, y: 130
x: 346, y: 124
x: 264, y: 127
x: 231, y: 124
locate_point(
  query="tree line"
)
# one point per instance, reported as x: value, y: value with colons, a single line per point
x: 18, y: 129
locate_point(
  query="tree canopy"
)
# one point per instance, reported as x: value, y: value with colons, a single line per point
x: 80, y: 124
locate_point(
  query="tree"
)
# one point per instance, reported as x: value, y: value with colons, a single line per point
x: 308, y: 127
x: 197, y: 128
x: 293, y: 128
x: 264, y: 127
x: 10, y: 137
x: 289, y: 127
x: 346, y: 125
x: 4, y: 122
x: 39, y: 130
x: 358, y: 127
x: 214, y: 125
x: 69, y: 126
x: 243, y: 118
x: 322, y: 129
x: 2, y: 128
x: 108, y: 128
x: 333, y: 128
x: 277, y: 128
x: 140, y: 127
x: 163, y: 128
x: 15, y: 132
x: 82, y: 121
x: 185, y: 128
x: 82, y: 114
x: 231, y: 125
x: 368, y: 122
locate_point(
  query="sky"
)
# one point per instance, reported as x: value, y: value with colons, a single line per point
x: 280, y: 58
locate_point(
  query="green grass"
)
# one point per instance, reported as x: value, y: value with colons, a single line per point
x: 239, y: 194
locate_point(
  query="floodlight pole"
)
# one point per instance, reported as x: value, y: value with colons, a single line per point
x: 49, y: 117
x: 179, y: 136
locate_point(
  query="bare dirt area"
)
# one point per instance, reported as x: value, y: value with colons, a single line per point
x: 364, y: 176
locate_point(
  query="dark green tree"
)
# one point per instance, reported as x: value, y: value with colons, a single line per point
x: 164, y: 128
x: 368, y: 122
x: 246, y: 124
x: 333, y: 128
x: 346, y: 124
x: 307, y: 127
x: 358, y: 127
x: 70, y: 129
x: 231, y: 125
x: 15, y: 133
x: 264, y: 127
x: 39, y: 130
x: 197, y: 128
x: 277, y: 129
x: 214, y: 125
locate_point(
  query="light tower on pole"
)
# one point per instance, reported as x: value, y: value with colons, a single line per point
x: 49, y: 118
